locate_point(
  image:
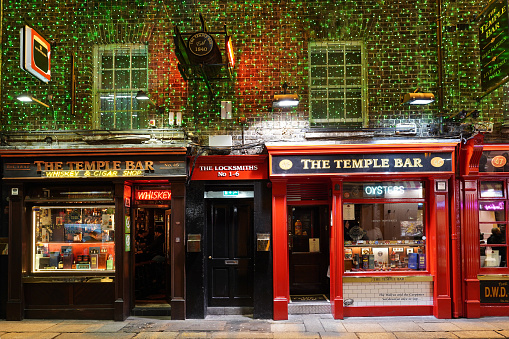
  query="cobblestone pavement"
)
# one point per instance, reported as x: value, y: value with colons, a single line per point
x: 301, y: 326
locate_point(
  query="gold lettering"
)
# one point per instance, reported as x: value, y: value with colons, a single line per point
x: 368, y: 162
x: 129, y: 165
x: 139, y: 165
x: 305, y: 162
x: 38, y: 164
x: 357, y: 163
x: 417, y: 162
x: 90, y: 166
x: 116, y: 165
x: 325, y: 164
x: 385, y: 162
x: 337, y: 163
x: 398, y: 162
x: 315, y: 164
x: 347, y: 163
x: 149, y: 166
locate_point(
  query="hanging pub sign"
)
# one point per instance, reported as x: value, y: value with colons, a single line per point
x: 35, y: 54
x: 361, y: 163
x: 494, y: 46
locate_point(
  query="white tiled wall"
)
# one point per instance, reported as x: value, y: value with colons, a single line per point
x: 386, y: 294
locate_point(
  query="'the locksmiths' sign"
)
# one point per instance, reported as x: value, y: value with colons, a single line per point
x: 93, y: 168
x: 230, y: 167
x: 494, y: 291
x: 361, y: 163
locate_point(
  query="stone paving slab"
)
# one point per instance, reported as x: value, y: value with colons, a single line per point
x: 439, y: 326
x: 24, y: 335
x: 194, y: 335
x: 241, y: 335
x: 95, y: 336
x: 70, y: 328
x: 359, y: 327
x: 26, y: 325
x: 195, y: 325
x: 400, y: 326
x: 341, y: 335
x: 287, y: 328
x: 465, y: 324
x: 478, y: 334
x: 294, y: 335
x: 424, y: 335
x: 372, y: 335
x: 331, y: 325
x: 313, y: 324
x: 157, y: 335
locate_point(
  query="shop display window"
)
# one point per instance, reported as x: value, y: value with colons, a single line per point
x: 492, y: 225
x: 388, y: 234
x: 73, y: 238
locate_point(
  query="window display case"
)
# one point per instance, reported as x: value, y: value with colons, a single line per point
x: 492, y: 226
x: 384, y: 226
x: 73, y: 239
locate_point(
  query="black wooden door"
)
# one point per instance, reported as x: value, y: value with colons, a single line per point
x: 230, y: 253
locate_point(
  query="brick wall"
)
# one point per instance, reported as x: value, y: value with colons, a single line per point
x: 271, y: 43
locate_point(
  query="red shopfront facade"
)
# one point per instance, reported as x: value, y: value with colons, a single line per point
x: 367, y: 226
x: 483, y: 186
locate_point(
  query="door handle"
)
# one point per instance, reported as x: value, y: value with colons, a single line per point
x: 231, y: 262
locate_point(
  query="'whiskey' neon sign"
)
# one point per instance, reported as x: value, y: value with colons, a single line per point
x: 153, y: 195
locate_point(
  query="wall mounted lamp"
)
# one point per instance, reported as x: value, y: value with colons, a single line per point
x: 417, y: 98
x: 25, y: 97
x: 285, y: 100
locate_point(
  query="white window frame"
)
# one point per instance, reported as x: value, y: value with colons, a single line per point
x: 328, y: 87
x: 135, y: 109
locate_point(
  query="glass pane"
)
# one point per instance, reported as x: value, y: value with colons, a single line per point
x: 353, y: 108
x: 139, y: 61
x: 319, y: 109
x: 122, y: 79
x: 305, y: 229
x: 336, y: 109
x: 107, y: 120
x: 106, y: 79
x: 73, y: 239
x: 139, y: 79
x: 336, y: 58
x: 123, y: 101
x: 492, y: 233
x: 122, y: 61
x: 384, y: 236
x: 336, y: 81
x: 319, y: 72
x: 386, y: 190
x: 107, y: 102
x: 353, y: 57
x: 107, y: 61
x: 318, y: 58
x: 493, y: 256
x: 492, y: 189
x: 123, y: 120
x: 336, y: 93
x: 353, y: 71
x: 353, y: 82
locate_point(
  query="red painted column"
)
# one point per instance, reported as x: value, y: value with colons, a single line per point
x: 470, y: 249
x: 442, y: 291
x: 336, y: 252
x: 281, y: 280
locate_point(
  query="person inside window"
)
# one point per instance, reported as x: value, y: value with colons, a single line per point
x: 497, y: 237
x: 156, y: 248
